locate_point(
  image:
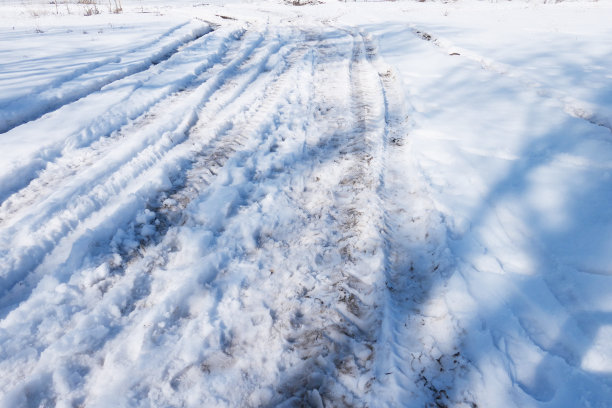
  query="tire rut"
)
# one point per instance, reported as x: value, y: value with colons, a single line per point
x: 169, y: 207
x: 145, y: 161
x: 55, y: 174
x: 128, y: 282
x: 135, y: 95
x: 336, y: 339
x: 410, y: 360
x: 24, y: 115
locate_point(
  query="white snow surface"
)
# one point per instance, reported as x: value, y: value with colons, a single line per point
x: 232, y: 204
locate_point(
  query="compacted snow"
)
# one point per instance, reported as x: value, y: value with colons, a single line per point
x: 343, y: 204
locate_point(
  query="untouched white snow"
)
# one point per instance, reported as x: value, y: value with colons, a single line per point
x: 346, y: 204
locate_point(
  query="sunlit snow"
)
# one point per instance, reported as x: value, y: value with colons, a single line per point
x: 229, y: 204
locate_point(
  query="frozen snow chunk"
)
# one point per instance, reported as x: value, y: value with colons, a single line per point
x: 147, y: 230
x: 314, y: 399
x: 599, y: 357
x: 170, y: 202
x: 145, y: 217
x: 94, y: 275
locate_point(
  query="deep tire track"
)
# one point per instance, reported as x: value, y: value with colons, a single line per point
x: 34, y: 106
x: 335, y: 340
x: 87, y: 156
x: 229, y: 144
x: 95, y: 197
x: 132, y: 286
x: 412, y: 365
x: 130, y: 280
x: 133, y: 97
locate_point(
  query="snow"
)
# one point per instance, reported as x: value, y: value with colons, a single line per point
x: 344, y: 204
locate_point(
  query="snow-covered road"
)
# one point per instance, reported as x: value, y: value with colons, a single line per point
x: 276, y: 206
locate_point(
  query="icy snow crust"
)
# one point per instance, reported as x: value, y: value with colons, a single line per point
x: 383, y: 205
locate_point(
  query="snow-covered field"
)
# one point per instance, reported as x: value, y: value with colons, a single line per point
x: 347, y: 204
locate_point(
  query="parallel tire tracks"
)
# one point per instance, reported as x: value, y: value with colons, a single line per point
x: 216, y: 132
x: 30, y: 107
x: 104, y: 226
x: 116, y: 106
x: 336, y: 339
x: 415, y: 361
x: 85, y: 204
